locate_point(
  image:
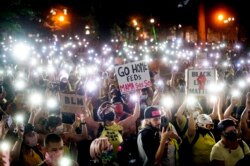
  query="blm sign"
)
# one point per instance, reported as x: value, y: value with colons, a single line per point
x: 197, y: 80
x: 133, y: 76
x: 71, y: 103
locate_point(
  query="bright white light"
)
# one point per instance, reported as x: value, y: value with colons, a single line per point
x: 51, y: 69
x: 52, y: 103
x: 206, y: 63
x: 91, y: 86
x: 212, y: 88
x: 191, y: 100
x: 242, y: 84
x: 167, y: 101
x: 19, y: 84
x: 175, y: 68
x: 235, y: 93
x: 160, y: 83
x: 213, y: 99
x: 19, y: 118
x: 134, y: 97
x: 4, y: 146
x: 21, y: 51
x: 35, y: 99
x: 65, y: 161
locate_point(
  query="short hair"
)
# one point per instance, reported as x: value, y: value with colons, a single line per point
x: 52, y: 138
x: 53, y: 121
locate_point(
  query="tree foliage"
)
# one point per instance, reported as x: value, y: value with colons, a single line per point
x: 17, y: 16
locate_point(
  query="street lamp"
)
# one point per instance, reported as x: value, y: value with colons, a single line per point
x: 57, y: 19
x: 224, y: 21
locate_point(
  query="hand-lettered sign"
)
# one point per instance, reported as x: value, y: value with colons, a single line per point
x: 71, y: 103
x: 133, y: 76
x: 197, y: 80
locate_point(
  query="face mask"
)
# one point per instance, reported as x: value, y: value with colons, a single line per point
x: 144, y: 97
x: 31, y: 141
x: 118, y: 108
x: 63, y: 85
x: 109, y: 116
x: 203, y: 131
x: 231, y: 136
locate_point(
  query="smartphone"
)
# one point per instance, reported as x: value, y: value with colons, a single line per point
x: 68, y: 118
x: 164, y: 123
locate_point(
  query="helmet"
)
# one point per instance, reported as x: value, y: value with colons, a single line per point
x: 204, y: 121
x: 104, y: 107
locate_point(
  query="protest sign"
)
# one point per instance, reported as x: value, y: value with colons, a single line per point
x: 133, y: 76
x: 71, y: 103
x: 197, y: 80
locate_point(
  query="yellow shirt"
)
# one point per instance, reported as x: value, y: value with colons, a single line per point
x: 31, y: 160
x: 202, y: 148
x: 113, y: 133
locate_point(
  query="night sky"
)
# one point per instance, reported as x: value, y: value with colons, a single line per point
x: 108, y: 12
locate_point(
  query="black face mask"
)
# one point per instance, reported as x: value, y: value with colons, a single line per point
x: 231, y: 136
x: 63, y: 85
x: 109, y: 116
x: 203, y: 131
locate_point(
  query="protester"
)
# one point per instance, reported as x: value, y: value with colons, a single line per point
x: 151, y: 143
x: 229, y: 150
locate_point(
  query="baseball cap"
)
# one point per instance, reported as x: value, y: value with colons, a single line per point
x: 116, y: 99
x: 152, y: 112
x: 222, y: 125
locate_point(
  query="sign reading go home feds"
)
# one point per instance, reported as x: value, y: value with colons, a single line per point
x: 133, y: 76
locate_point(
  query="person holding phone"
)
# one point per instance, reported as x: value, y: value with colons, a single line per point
x: 170, y: 154
x: 150, y: 141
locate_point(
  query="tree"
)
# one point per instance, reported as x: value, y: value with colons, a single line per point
x: 19, y: 17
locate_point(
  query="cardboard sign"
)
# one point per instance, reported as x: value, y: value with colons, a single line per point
x: 197, y: 80
x: 71, y: 103
x: 133, y: 76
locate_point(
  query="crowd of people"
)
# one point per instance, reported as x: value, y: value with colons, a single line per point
x: 113, y: 128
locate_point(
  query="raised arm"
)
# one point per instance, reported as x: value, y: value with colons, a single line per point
x: 179, y: 113
x: 229, y: 110
x: 88, y: 118
x: 16, y: 150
